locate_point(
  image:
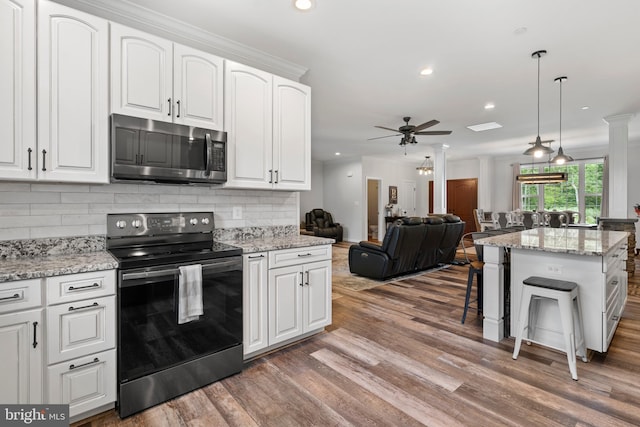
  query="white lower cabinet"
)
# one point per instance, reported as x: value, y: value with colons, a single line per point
x: 84, y: 383
x: 291, y: 301
x: 81, y: 341
x: 21, y: 357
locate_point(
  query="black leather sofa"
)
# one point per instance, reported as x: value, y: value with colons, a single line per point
x: 411, y: 244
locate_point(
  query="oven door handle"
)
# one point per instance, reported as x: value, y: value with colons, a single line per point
x: 209, y: 268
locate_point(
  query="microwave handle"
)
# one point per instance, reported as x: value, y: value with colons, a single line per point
x: 209, y: 154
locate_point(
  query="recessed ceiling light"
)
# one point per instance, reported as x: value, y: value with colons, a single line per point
x: 484, y: 126
x: 303, y: 4
x: 519, y: 31
x: 426, y: 71
x: 337, y: 154
x: 586, y: 107
x: 489, y: 106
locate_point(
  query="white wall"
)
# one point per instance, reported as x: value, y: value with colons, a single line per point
x: 62, y: 210
x: 313, y: 198
x: 343, y: 196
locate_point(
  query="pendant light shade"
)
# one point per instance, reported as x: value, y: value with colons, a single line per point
x: 426, y: 168
x: 561, y: 158
x: 538, y: 150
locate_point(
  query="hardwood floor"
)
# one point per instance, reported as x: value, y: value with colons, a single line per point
x: 398, y: 355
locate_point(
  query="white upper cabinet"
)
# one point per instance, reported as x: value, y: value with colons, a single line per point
x: 291, y: 134
x: 73, y: 82
x: 17, y: 89
x: 141, y: 74
x: 154, y: 78
x: 249, y: 126
x: 267, y: 119
x: 197, y: 87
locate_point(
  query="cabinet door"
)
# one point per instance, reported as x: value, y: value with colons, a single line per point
x: 21, y: 357
x: 255, y: 305
x: 197, y: 88
x: 317, y: 295
x: 73, y: 121
x: 141, y: 74
x: 285, y: 303
x: 17, y: 89
x: 248, y: 119
x: 291, y: 134
x: 80, y: 328
x: 84, y: 383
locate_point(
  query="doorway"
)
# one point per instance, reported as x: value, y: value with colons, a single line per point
x: 462, y: 199
x: 373, y: 209
x: 408, y: 198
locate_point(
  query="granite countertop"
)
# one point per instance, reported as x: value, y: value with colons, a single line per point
x: 560, y: 240
x: 273, y: 243
x: 55, y: 265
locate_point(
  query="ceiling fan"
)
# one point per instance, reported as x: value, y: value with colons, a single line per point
x: 409, y: 132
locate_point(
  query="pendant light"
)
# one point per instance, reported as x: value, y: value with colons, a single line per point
x: 561, y: 158
x: 538, y: 150
x: 426, y: 168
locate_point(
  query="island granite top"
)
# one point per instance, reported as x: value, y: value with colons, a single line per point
x: 560, y: 240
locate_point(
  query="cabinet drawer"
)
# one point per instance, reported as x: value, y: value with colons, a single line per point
x: 612, y: 317
x: 80, y: 328
x: 614, y: 259
x: 20, y: 295
x: 84, y: 383
x: 75, y: 287
x: 287, y: 257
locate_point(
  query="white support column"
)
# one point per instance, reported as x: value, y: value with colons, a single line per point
x: 440, y: 179
x: 493, y: 293
x: 618, y: 164
x: 485, y: 166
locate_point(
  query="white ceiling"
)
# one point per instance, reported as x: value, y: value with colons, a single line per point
x: 364, y: 56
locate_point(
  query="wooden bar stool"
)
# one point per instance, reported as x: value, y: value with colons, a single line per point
x: 566, y: 294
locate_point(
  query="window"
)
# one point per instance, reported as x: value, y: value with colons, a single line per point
x: 581, y: 193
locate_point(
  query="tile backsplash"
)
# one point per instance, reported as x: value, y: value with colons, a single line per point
x: 39, y: 210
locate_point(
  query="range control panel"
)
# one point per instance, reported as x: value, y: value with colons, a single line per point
x: 153, y: 224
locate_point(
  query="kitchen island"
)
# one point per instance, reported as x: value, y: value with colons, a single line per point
x: 592, y: 258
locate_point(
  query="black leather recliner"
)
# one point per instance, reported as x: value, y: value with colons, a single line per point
x: 321, y: 223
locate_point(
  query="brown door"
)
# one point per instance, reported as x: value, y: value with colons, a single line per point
x: 462, y: 199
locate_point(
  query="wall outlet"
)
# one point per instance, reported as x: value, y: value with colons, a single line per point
x: 554, y: 268
x: 237, y: 212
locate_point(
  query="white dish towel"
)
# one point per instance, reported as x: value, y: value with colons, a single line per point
x: 190, y: 293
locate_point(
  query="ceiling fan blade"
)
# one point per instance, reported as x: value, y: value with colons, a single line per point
x: 425, y: 125
x: 434, y: 132
x: 380, y: 137
x: 382, y: 127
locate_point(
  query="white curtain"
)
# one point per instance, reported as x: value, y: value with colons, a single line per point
x: 516, y: 193
x: 604, y: 209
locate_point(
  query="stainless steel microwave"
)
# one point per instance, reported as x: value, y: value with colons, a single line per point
x: 151, y: 150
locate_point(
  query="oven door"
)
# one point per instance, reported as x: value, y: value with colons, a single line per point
x: 150, y: 338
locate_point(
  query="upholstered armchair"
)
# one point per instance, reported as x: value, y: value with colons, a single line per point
x: 321, y: 223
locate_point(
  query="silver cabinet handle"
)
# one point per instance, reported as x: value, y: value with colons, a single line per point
x: 94, y: 285
x: 307, y: 282
x: 169, y: 101
x: 95, y: 304
x: 256, y: 256
x: 35, y: 336
x: 29, y: 151
x: 44, y: 160
x: 304, y: 255
x: 178, y: 102
x: 95, y: 360
x: 14, y: 296
x: 301, y: 277
x: 276, y: 177
x: 270, y: 176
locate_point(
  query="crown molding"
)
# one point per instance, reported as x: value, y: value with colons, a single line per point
x: 126, y: 13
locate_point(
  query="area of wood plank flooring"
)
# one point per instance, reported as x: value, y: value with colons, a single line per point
x: 397, y: 355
